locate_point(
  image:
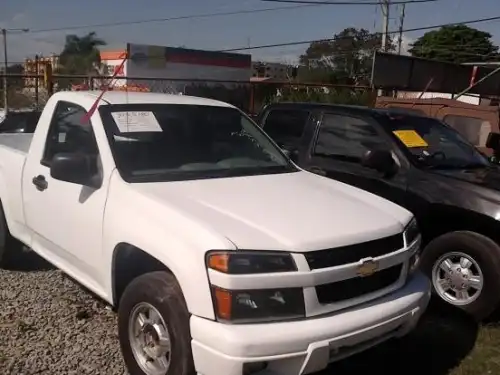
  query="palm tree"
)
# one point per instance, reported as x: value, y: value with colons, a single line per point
x: 80, y: 56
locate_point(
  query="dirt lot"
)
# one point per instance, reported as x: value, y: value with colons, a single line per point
x: 49, y: 325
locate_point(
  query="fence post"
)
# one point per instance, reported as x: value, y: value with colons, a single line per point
x: 48, y: 79
x: 252, y: 98
x: 37, y: 81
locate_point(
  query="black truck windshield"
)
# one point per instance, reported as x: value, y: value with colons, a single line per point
x: 432, y: 144
x: 166, y: 142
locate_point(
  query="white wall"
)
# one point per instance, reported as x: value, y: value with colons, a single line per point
x: 471, y: 99
x: 111, y: 64
x: 156, y: 66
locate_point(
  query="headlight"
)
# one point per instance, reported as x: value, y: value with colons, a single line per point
x: 250, y: 262
x: 245, y: 306
x: 411, y: 232
x: 413, y: 240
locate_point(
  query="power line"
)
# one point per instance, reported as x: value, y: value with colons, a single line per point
x: 286, y: 44
x: 348, y: 2
x: 177, y: 18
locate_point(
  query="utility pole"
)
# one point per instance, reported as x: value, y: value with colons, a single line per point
x: 5, y: 96
x: 401, y: 22
x: 385, y: 4
x: 6, y: 63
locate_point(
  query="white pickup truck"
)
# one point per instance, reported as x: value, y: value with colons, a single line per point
x: 219, y: 254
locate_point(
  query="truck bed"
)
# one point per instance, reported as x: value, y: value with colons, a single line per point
x: 19, y: 142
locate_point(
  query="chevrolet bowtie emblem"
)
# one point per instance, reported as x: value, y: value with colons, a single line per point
x: 367, y: 268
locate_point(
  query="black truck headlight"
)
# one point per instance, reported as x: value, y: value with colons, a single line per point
x: 413, y: 241
x: 255, y: 306
x: 249, y: 262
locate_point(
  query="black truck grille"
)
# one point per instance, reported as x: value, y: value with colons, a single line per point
x: 358, y: 286
x: 354, y: 253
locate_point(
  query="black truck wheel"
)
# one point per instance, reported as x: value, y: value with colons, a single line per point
x: 153, y: 327
x: 464, y: 268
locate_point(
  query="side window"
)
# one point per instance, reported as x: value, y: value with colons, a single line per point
x: 286, y: 126
x: 346, y: 137
x: 475, y: 130
x: 69, y: 133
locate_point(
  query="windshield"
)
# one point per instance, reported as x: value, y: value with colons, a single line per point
x: 432, y: 144
x: 166, y: 142
x: 16, y: 122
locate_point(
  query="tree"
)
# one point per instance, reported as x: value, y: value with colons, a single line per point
x: 347, y: 58
x: 80, y: 56
x: 456, y: 44
x: 16, y: 82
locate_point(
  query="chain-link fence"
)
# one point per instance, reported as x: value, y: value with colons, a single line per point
x: 33, y: 91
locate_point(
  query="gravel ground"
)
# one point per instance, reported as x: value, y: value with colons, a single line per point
x: 49, y: 325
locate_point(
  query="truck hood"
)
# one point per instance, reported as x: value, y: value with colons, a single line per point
x: 293, y: 211
x: 485, y: 177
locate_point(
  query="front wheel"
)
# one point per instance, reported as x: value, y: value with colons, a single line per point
x: 8, y: 244
x: 465, y: 271
x: 153, y: 327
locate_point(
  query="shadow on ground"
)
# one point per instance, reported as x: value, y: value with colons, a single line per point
x: 443, y: 338
x: 25, y: 260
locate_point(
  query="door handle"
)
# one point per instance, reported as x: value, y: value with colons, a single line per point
x: 40, y: 182
x: 317, y: 170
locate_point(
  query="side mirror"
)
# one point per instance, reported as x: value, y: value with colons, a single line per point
x: 380, y: 160
x: 493, y: 141
x: 75, y: 168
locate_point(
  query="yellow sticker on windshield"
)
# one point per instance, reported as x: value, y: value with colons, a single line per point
x: 410, y: 138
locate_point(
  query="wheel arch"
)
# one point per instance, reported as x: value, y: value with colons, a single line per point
x: 441, y: 219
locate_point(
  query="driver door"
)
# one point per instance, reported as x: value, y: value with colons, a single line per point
x: 66, y: 219
x: 336, y: 151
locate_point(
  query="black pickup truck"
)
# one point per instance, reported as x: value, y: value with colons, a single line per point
x: 419, y: 163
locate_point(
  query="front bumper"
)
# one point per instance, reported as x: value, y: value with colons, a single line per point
x: 307, y: 346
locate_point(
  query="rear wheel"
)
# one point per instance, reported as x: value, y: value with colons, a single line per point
x: 465, y: 271
x: 153, y: 326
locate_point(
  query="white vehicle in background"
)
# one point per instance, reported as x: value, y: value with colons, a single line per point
x: 219, y: 254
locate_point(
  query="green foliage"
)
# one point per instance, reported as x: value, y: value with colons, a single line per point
x: 13, y: 82
x: 456, y: 44
x: 346, y: 59
x: 80, y: 56
x: 326, y: 95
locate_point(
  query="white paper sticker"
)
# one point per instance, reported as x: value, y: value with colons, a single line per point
x: 133, y: 122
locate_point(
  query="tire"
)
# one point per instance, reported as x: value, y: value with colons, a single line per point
x: 161, y: 291
x: 482, y: 253
x: 8, y: 244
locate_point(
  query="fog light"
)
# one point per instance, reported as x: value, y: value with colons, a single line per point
x: 253, y: 367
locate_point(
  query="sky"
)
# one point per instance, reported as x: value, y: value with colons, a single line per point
x: 222, y: 32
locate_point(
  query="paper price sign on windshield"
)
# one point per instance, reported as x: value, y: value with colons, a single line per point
x: 134, y: 122
x: 410, y: 138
